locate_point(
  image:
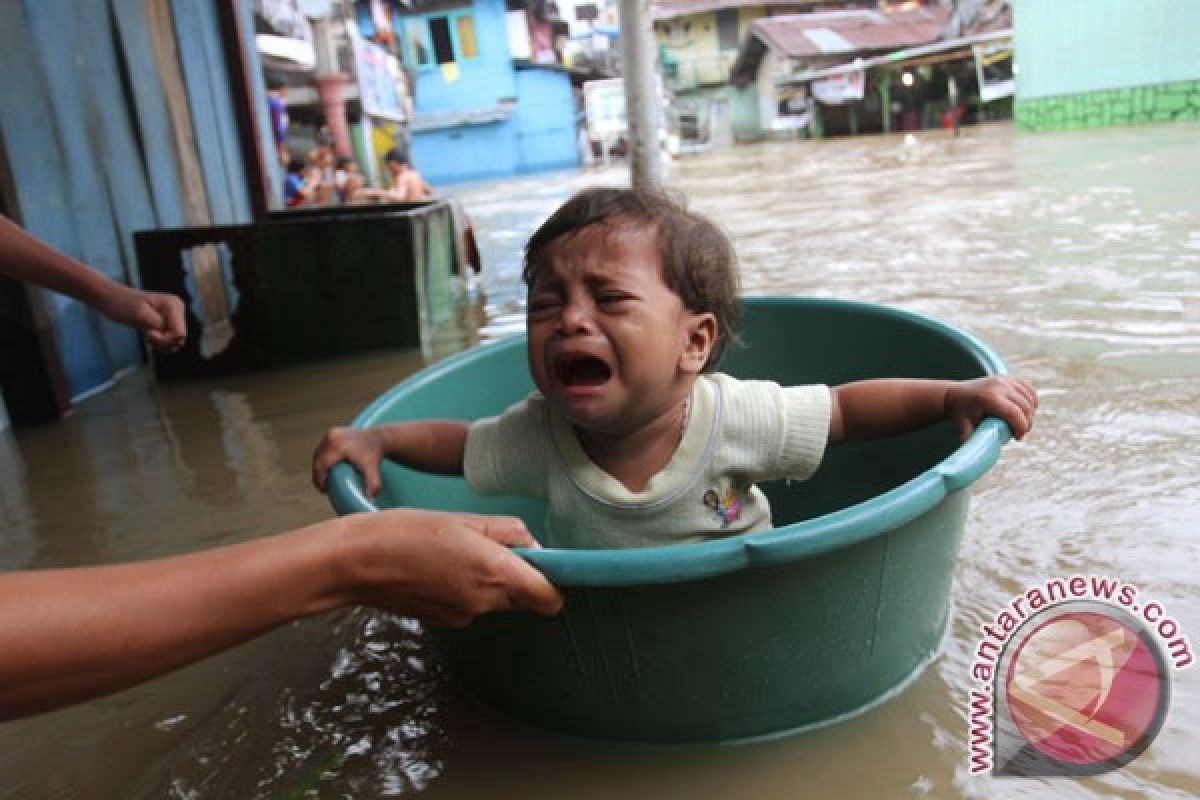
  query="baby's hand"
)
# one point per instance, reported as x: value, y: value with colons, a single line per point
x: 361, y: 447
x: 1011, y: 399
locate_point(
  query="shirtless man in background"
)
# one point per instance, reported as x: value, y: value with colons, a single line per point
x: 408, y: 186
x: 407, y: 183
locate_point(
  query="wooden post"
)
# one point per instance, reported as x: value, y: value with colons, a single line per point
x: 885, y: 99
x: 243, y: 108
x: 196, y: 210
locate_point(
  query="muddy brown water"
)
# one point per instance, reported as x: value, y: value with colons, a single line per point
x: 1075, y: 255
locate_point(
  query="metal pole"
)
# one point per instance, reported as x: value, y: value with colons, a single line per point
x: 641, y: 94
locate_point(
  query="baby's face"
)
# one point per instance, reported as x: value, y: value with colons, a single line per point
x: 610, y: 345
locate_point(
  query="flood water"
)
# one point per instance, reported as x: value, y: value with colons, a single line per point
x: 1075, y: 255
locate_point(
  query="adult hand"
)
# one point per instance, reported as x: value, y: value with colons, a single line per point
x: 70, y: 634
x: 24, y: 257
x: 443, y: 567
x: 159, y: 316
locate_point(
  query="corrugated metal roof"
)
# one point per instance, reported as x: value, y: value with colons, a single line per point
x: 899, y: 57
x: 841, y: 33
x: 671, y: 9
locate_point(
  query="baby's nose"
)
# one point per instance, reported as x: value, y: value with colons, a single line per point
x: 576, y: 316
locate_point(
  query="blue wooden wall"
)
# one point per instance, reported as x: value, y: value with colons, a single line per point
x: 539, y: 135
x: 91, y: 152
x: 203, y: 60
x: 466, y: 153
x: 481, y: 81
x: 547, y: 137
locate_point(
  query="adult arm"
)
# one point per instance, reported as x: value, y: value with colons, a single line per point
x: 878, y: 408
x: 423, y: 189
x: 159, y: 316
x: 67, y: 635
x: 382, y: 195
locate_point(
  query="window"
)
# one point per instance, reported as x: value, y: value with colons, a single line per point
x: 442, y: 39
x: 416, y: 51
x: 443, y: 45
x: 727, y: 29
x: 464, y: 26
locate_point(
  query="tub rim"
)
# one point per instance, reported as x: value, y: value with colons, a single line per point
x: 685, y: 562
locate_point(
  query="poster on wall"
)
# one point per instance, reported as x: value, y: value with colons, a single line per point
x: 382, y: 86
x: 837, y: 90
x: 994, y: 69
x: 604, y: 102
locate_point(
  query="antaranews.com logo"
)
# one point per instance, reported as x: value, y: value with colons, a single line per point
x: 1073, y: 678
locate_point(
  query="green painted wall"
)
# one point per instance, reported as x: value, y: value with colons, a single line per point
x: 1092, y: 63
x: 743, y: 105
x: 1077, y: 46
x: 1158, y: 103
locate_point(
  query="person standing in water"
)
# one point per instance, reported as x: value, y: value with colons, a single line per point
x: 409, y: 186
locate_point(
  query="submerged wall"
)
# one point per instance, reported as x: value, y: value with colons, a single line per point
x: 1090, y: 63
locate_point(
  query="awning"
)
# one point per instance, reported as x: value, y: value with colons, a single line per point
x: 829, y: 35
x: 907, y: 56
x: 295, y: 51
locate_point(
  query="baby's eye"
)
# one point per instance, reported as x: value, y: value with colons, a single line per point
x: 543, y: 303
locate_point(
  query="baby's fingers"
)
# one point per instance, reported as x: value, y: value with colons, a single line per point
x: 372, y: 480
x: 966, y: 426
x: 1028, y: 393
x: 1019, y: 418
x: 323, y: 461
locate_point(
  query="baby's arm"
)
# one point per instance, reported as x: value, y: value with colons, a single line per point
x: 428, y: 445
x: 878, y: 408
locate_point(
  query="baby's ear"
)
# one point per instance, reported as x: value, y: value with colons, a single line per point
x: 701, y: 338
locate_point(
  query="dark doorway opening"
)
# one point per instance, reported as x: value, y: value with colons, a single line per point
x: 31, y: 377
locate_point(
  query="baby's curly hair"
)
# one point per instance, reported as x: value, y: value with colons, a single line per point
x: 698, y: 260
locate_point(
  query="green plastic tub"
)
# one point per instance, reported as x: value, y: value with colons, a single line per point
x: 739, y: 638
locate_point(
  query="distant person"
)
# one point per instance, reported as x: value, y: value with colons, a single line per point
x: 408, y: 186
x: 633, y: 438
x: 67, y: 635
x: 322, y: 161
x: 346, y: 178
x: 301, y: 184
x: 277, y: 106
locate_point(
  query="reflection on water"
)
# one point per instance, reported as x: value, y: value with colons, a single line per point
x: 1076, y: 255
x: 360, y: 704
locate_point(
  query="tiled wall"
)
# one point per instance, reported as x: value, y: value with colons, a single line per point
x: 1130, y: 106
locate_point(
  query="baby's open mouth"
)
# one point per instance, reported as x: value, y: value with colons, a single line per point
x: 581, y: 371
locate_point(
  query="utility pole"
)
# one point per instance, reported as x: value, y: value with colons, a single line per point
x: 638, y: 55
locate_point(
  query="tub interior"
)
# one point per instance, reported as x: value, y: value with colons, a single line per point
x: 791, y: 342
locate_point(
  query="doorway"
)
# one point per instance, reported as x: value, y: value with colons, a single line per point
x: 32, y: 387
